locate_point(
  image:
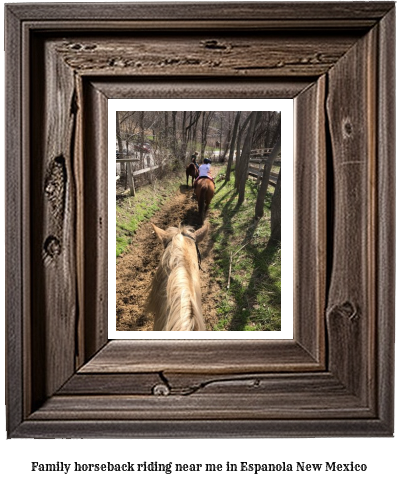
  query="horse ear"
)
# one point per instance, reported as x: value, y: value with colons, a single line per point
x: 161, y: 233
x: 200, y: 234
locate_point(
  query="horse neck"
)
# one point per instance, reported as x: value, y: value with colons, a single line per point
x: 177, y: 293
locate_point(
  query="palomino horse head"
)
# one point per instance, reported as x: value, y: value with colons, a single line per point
x: 175, y: 295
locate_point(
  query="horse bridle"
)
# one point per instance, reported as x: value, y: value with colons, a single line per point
x: 196, y: 246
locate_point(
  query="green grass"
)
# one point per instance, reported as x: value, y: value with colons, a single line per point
x: 253, y: 300
x: 132, y: 210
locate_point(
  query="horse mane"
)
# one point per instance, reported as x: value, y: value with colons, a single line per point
x: 175, y: 294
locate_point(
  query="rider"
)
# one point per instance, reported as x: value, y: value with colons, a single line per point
x: 205, y: 172
x: 194, y: 159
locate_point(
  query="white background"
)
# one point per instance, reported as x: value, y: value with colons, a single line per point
x: 380, y: 455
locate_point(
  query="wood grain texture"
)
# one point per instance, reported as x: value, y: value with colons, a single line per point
x: 247, y: 55
x: 310, y: 201
x: 250, y: 406
x: 191, y: 428
x: 16, y: 251
x: 310, y: 230
x: 200, y: 356
x: 185, y: 384
x: 177, y: 87
x: 351, y: 305
x: 98, y: 396
x: 385, y: 245
x: 111, y: 384
x: 95, y: 202
x: 54, y: 271
x: 359, y: 13
x: 337, y: 64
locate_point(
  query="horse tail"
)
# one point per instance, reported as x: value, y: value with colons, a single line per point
x: 202, y: 201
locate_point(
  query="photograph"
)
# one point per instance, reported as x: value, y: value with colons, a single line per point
x: 198, y: 218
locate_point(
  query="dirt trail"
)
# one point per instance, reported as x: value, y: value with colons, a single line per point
x: 135, y: 269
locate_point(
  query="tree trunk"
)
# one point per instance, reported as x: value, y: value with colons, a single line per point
x: 120, y: 147
x: 232, y: 146
x: 193, y: 132
x: 206, y: 120
x: 203, y: 136
x: 244, y: 160
x: 221, y: 135
x: 238, y: 154
x: 274, y: 129
x: 226, y: 145
x: 259, y: 207
x: 141, y: 139
x: 130, y: 179
x: 174, y: 141
x: 188, y: 136
x: 118, y: 134
x: 166, y: 130
x: 183, y: 146
x: 276, y: 212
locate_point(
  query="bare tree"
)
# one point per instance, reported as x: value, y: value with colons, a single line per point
x: 165, y: 131
x: 244, y: 160
x: 272, y: 131
x: 238, y: 152
x: 276, y: 212
x: 142, y: 139
x: 206, y: 120
x: 259, y: 207
x: 192, y: 129
x: 224, y: 148
x: 131, y: 131
x: 187, y: 132
x: 232, y: 145
x: 183, y: 139
x: 174, y: 141
x: 118, y: 133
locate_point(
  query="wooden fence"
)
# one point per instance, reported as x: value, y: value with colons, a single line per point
x: 258, y: 158
x: 262, y: 153
x: 130, y: 173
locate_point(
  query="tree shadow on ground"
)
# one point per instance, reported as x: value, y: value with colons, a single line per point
x: 185, y: 189
x: 260, y: 276
x: 226, y: 213
x: 246, y: 293
x: 191, y: 217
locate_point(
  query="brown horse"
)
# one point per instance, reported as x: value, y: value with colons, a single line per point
x: 175, y: 295
x: 191, y: 170
x: 204, y: 191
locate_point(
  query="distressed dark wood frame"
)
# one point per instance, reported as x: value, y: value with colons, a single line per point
x: 335, y: 378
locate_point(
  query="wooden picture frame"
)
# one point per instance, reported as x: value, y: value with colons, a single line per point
x: 335, y: 378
